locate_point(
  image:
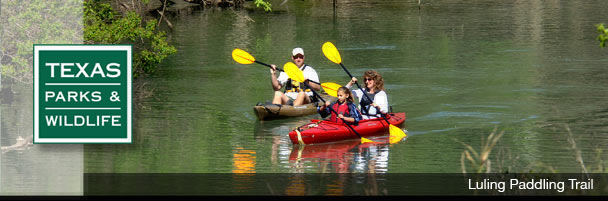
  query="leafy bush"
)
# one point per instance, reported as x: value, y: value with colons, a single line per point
x: 105, y: 26
x: 266, y: 5
x: 603, y: 34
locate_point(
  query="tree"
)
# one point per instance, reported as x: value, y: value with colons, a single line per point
x: 103, y: 25
x: 24, y: 23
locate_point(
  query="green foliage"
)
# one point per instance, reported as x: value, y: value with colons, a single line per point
x: 603, y: 34
x: 105, y: 26
x: 265, y: 4
x: 24, y: 23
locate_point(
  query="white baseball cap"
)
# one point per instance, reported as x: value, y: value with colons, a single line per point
x: 297, y: 51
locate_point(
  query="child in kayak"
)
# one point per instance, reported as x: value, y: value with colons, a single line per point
x: 344, y: 106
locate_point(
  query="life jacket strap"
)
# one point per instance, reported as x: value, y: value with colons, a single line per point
x: 296, y: 90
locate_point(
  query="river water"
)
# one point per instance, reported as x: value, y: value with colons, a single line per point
x: 459, y: 69
x: 530, y: 69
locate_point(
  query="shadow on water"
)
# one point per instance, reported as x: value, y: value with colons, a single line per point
x: 266, y: 129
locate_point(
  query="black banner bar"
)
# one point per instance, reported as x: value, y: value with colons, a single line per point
x: 352, y: 184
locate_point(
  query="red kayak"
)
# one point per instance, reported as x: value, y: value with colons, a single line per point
x: 319, y: 131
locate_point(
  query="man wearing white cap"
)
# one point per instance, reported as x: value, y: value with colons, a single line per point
x: 295, y: 93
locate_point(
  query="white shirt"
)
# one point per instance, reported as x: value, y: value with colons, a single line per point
x: 380, y: 99
x: 309, y: 73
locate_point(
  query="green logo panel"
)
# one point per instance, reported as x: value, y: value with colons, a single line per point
x: 82, y: 94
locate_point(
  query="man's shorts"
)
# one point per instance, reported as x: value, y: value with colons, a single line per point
x: 293, y: 95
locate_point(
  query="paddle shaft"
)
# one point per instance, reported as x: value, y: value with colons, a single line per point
x: 365, y: 94
x: 279, y: 69
x: 268, y: 65
x: 332, y: 110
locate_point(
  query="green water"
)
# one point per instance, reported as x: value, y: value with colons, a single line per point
x: 458, y: 69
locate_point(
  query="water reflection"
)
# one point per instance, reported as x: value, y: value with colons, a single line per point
x: 348, y: 156
x: 244, y: 161
x: 343, y: 157
x: 333, y: 185
x: 296, y: 185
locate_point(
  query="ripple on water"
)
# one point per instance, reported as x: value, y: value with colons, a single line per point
x: 377, y: 47
x: 449, y: 114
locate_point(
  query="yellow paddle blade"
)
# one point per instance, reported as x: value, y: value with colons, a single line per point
x: 331, y: 88
x: 242, y: 57
x: 331, y: 52
x: 293, y: 72
x: 396, y: 134
x: 365, y: 140
x: 394, y: 140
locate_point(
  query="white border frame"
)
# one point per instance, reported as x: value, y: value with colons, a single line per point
x: 37, y: 139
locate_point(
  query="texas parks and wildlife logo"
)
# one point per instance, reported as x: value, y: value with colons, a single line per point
x: 82, y: 94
